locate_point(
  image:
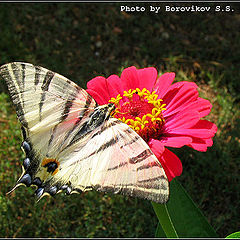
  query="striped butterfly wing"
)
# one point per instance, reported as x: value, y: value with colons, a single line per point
x: 127, y: 165
x: 115, y: 159
x: 50, y: 109
x: 72, y: 144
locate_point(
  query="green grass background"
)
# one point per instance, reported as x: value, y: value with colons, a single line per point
x: 84, y: 40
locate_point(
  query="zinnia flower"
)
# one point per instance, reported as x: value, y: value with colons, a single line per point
x: 162, y: 113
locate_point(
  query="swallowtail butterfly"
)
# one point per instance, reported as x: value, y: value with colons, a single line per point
x: 72, y: 144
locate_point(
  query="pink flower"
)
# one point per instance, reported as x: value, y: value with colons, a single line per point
x: 162, y: 113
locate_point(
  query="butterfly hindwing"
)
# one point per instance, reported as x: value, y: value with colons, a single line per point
x: 115, y: 159
x: 72, y: 144
x: 132, y: 168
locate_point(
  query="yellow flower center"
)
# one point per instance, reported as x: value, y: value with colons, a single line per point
x: 141, y: 110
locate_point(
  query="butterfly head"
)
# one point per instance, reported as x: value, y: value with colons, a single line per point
x: 105, y: 111
x: 111, y: 109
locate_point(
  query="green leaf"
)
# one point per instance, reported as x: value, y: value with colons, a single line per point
x: 165, y: 220
x: 234, y: 235
x: 187, y: 220
x: 159, y: 232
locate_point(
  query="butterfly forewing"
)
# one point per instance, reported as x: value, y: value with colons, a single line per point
x: 75, y: 144
x: 49, y: 106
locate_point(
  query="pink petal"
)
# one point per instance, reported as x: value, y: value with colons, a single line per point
x: 199, y: 133
x: 97, y: 82
x: 129, y: 78
x: 147, y: 77
x: 206, y: 124
x: 201, y: 144
x: 97, y: 88
x: 157, y: 147
x: 181, y: 120
x: 201, y: 105
x: 180, y: 84
x: 169, y: 161
x: 176, y: 141
x: 97, y: 97
x: 171, y: 164
x: 114, y: 86
x: 178, y: 98
x: 209, y: 142
x: 203, y: 129
x: 163, y: 83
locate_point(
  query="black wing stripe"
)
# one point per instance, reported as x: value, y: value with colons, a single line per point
x: 145, y: 154
x: 20, y: 82
x: 70, y: 100
x: 105, y: 127
x: 149, y: 165
x: 67, y: 107
x: 22, y: 86
x: 108, y: 144
x: 46, y: 82
x: 111, y: 142
x: 37, y: 75
x: 102, y: 148
x: 136, y: 137
x: 82, y: 114
x: 15, y: 72
x: 13, y: 90
x: 64, y: 115
x: 118, y: 166
x: 141, y: 157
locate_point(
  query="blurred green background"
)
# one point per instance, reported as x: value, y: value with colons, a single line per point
x: 84, y: 40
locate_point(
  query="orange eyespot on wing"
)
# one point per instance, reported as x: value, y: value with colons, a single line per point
x: 51, y: 165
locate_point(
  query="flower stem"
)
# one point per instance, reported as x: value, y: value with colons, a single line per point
x: 165, y: 220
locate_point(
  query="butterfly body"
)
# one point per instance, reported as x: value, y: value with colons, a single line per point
x: 72, y: 144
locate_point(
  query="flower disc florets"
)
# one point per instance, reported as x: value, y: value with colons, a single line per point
x: 142, y: 111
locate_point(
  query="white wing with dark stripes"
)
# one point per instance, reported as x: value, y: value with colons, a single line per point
x: 72, y: 144
x: 116, y: 159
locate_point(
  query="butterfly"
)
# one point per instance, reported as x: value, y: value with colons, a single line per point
x: 72, y: 144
